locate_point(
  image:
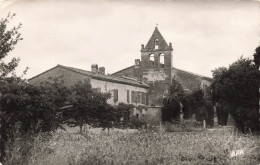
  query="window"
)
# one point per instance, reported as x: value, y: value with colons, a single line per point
x: 138, y: 97
x: 143, y: 98
x: 156, y: 45
x: 151, y: 61
x: 146, y: 99
x: 115, y: 95
x: 135, y: 96
x: 161, y: 59
x: 132, y: 96
x: 127, y: 96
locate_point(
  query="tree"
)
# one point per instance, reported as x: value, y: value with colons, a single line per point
x: 90, y: 105
x: 237, y: 87
x: 122, y: 111
x: 199, y: 106
x: 30, y: 109
x: 171, y: 104
x: 257, y: 57
x: 9, y: 38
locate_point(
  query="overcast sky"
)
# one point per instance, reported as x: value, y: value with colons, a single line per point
x: 204, y: 34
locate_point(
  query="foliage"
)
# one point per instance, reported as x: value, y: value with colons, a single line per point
x: 176, y: 92
x: 171, y: 111
x: 222, y: 113
x: 257, y: 57
x: 199, y: 106
x: 188, y: 125
x: 136, y: 148
x: 27, y: 108
x: 137, y: 123
x: 123, y: 111
x: 237, y: 87
x: 8, y: 39
x: 171, y: 104
x: 90, y: 105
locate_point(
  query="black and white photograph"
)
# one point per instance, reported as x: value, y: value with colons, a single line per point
x: 129, y: 82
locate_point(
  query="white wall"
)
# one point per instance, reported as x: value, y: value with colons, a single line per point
x: 106, y: 86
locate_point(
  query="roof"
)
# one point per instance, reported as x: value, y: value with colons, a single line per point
x: 123, y: 69
x: 195, y: 74
x: 162, y: 44
x: 93, y: 75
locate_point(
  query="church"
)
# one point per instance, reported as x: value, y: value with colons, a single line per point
x: 143, y: 84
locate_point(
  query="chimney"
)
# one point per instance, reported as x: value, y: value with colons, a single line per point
x: 94, y: 68
x: 142, y: 47
x: 137, y: 63
x: 101, y: 70
x: 170, y: 45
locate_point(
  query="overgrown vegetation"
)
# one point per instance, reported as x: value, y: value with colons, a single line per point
x: 135, y: 148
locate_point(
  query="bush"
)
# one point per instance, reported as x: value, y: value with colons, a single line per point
x: 184, y: 126
x: 137, y: 123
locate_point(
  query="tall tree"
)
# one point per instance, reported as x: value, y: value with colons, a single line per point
x: 8, y: 39
x: 237, y: 87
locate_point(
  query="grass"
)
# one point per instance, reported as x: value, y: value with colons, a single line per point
x: 142, y: 147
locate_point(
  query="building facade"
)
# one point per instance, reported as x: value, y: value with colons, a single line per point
x: 155, y: 69
x: 122, y: 90
x: 145, y: 83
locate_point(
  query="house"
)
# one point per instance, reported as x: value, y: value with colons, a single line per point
x: 123, y: 90
x: 144, y: 83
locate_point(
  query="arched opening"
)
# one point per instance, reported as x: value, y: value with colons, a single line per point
x: 156, y: 45
x: 151, y: 61
x: 161, y: 60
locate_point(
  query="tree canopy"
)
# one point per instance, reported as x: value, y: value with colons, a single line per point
x: 237, y: 87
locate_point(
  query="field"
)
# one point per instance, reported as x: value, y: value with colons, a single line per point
x: 136, y: 147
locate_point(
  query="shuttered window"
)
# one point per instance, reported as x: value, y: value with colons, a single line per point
x: 132, y: 97
x: 147, y: 99
x: 115, y: 95
x: 127, y: 96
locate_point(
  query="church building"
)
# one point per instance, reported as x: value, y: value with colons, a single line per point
x: 155, y: 69
x: 145, y: 83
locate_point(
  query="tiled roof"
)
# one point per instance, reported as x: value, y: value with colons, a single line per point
x: 106, y: 77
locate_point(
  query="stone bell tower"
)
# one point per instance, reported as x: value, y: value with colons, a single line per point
x: 156, y: 66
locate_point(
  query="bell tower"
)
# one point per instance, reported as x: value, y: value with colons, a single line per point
x: 156, y: 68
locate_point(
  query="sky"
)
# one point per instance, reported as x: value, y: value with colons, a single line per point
x: 204, y: 34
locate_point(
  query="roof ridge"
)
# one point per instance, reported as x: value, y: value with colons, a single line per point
x: 100, y: 76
